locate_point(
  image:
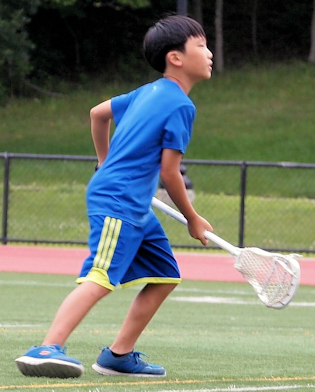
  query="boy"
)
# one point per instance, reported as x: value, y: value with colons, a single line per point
x: 127, y: 243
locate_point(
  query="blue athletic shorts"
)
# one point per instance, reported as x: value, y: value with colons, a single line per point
x: 124, y: 254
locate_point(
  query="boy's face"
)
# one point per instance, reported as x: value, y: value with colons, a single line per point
x: 197, y: 59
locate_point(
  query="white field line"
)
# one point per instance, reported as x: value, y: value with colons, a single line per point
x: 35, y: 283
x: 303, y: 304
x: 231, y: 301
x: 178, y: 289
x: 13, y: 326
x: 97, y: 387
x: 204, y: 299
x: 230, y: 292
x: 233, y: 388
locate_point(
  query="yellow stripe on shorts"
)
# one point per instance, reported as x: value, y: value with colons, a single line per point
x: 108, y: 242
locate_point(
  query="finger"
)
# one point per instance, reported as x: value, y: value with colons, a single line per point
x: 204, y: 241
x: 210, y: 228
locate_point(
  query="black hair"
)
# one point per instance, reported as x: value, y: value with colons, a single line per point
x: 170, y: 33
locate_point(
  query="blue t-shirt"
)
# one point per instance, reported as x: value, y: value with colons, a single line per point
x: 155, y: 116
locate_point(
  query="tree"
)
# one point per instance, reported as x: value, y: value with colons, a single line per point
x: 218, y: 55
x: 17, y: 45
x: 254, y: 28
x: 14, y: 44
x: 311, y: 57
x: 197, y: 10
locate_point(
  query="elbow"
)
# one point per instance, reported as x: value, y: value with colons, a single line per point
x: 163, y: 176
x: 101, y: 112
x: 167, y: 178
x: 94, y: 113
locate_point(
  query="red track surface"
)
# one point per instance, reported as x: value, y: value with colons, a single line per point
x: 67, y: 261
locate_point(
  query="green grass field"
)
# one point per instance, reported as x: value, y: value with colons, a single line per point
x: 210, y: 337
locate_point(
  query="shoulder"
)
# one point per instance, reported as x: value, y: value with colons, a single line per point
x: 160, y: 89
x: 170, y: 95
x: 161, y: 98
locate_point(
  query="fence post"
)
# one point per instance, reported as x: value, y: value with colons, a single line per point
x: 241, y: 232
x: 5, y: 206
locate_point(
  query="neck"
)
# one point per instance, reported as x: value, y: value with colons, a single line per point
x: 181, y: 84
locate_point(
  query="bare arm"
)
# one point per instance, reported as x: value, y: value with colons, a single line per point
x: 175, y: 186
x: 101, y: 116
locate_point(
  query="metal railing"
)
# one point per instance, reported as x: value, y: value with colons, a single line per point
x: 265, y: 204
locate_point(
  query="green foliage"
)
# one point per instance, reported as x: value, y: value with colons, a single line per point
x: 64, y: 3
x: 261, y: 113
x: 253, y: 114
x: 15, y: 45
x: 102, y: 36
x: 135, y: 3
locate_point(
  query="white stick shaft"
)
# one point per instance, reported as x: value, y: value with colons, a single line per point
x: 210, y: 236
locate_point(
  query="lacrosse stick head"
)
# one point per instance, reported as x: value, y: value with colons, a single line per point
x: 274, y: 277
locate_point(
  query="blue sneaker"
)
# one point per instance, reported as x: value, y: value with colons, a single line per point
x: 49, y: 361
x: 127, y: 365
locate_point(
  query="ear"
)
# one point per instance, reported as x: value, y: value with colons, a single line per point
x: 173, y: 57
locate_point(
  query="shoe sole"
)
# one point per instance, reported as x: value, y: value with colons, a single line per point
x: 109, y: 372
x: 53, y: 368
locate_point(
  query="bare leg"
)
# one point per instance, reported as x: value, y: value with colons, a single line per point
x: 72, y: 311
x: 140, y: 313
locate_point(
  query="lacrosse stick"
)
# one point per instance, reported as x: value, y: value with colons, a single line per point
x: 274, y: 277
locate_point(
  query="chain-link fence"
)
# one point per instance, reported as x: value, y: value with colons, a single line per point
x: 269, y: 205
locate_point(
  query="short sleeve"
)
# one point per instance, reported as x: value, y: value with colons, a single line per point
x: 178, y: 128
x: 120, y: 104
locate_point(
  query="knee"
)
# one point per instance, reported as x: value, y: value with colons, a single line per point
x: 95, y: 290
x: 164, y: 288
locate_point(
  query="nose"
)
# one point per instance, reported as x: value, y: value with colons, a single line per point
x: 210, y: 54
